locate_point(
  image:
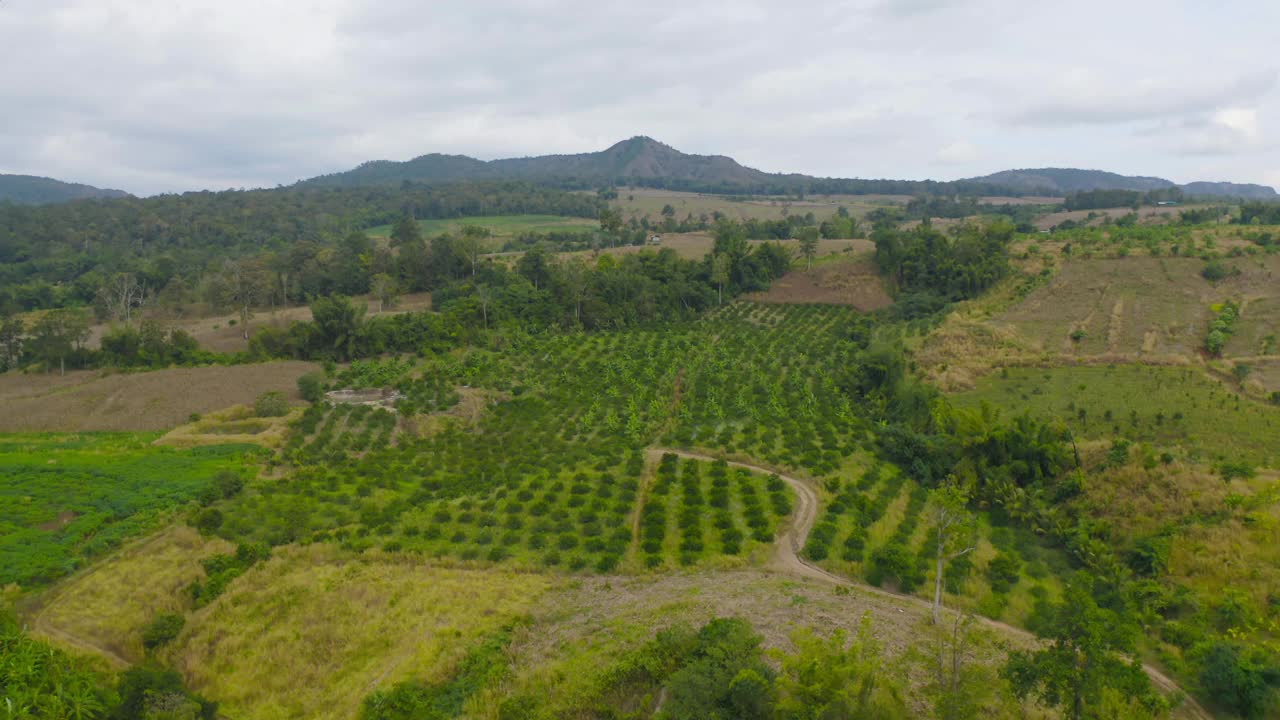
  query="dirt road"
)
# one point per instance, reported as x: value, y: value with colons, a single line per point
x: 787, y: 559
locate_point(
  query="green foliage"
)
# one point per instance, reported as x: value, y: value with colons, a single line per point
x: 723, y: 677
x: 961, y: 266
x: 312, y: 387
x: 1239, y: 679
x: 67, y: 498
x: 839, y: 677
x: 271, y: 404
x: 1216, y: 270
x: 484, y: 665
x: 41, y: 683
x: 221, y: 569
x: 1003, y: 572
x: 1222, y: 328
x: 163, y: 629
x: 1084, y: 658
x: 150, y: 693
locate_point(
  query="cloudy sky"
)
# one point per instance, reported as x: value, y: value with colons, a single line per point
x: 161, y: 96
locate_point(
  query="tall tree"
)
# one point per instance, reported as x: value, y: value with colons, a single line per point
x: 339, y: 326
x: 1084, y: 660
x: 808, y: 237
x: 953, y: 530
x: 12, y: 330
x: 58, y: 334
x: 245, y: 283
x: 121, y: 294
x: 384, y: 288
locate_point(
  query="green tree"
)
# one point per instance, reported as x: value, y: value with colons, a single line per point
x: 338, y: 326
x: 823, y: 679
x: 808, y: 237
x: 953, y: 530
x: 721, y: 265
x: 385, y: 289
x: 57, y: 334
x: 1084, y: 657
x: 405, y: 231
x: 1239, y: 679
x: 12, y: 330
x: 724, y: 678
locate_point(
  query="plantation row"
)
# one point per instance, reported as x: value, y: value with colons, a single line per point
x: 743, y: 510
x: 573, y: 404
x: 857, y: 535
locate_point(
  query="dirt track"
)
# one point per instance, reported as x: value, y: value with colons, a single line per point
x: 787, y: 559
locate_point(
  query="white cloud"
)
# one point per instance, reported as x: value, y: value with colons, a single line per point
x: 160, y: 96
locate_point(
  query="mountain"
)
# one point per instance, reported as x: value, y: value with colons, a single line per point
x: 636, y: 158
x: 1248, y: 191
x: 32, y: 190
x: 1062, y: 181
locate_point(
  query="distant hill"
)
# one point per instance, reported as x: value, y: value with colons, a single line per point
x: 32, y: 190
x: 1062, y: 181
x: 636, y: 158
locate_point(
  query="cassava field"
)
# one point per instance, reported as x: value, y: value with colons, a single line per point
x: 956, y: 471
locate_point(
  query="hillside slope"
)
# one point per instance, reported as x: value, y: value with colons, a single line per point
x: 32, y: 190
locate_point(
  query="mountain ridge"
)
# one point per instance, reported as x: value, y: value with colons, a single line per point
x: 643, y: 160
x: 1056, y: 180
x: 37, y: 190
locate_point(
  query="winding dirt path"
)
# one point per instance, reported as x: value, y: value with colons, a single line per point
x: 786, y: 559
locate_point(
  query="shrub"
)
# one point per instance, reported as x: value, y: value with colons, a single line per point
x: 271, y: 404
x: 1004, y: 572
x: 311, y: 386
x: 163, y: 629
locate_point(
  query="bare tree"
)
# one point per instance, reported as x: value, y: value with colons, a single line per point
x: 122, y: 293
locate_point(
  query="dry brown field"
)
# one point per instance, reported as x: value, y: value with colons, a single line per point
x: 136, y: 402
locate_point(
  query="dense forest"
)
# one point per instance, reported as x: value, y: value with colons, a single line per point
x: 62, y: 255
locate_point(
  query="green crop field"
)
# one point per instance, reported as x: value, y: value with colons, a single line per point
x: 500, y: 226
x: 66, y: 498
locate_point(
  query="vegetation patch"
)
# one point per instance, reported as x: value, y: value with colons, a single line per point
x: 335, y: 627
x: 117, y: 486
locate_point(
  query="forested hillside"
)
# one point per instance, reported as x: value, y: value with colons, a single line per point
x: 31, y: 190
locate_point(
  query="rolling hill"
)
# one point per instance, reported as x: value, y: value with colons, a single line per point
x: 32, y: 190
x: 1061, y: 181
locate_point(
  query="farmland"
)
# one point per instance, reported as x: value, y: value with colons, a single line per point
x: 500, y: 226
x: 69, y: 498
x: 457, y: 530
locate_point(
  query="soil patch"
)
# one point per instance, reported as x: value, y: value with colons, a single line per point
x: 853, y: 283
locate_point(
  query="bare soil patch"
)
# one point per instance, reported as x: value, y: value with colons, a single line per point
x: 146, y: 401
x: 840, y: 283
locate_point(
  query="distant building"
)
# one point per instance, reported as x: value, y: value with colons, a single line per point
x: 655, y: 240
x: 1167, y: 202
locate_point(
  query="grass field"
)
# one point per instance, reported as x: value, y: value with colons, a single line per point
x: 66, y: 498
x: 1177, y: 408
x: 840, y: 281
x: 502, y: 227
x: 110, y: 604
x: 333, y: 627
x: 137, y: 402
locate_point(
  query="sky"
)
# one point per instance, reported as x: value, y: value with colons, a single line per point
x: 169, y: 96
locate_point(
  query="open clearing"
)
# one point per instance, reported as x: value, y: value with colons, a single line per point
x: 144, y: 401
x: 855, y: 283
x: 697, y: 245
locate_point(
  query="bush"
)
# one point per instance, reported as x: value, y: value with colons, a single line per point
x: 271, y: 404
x: 162, y: 630
x: 311, y: 386
x: 1004, y: 572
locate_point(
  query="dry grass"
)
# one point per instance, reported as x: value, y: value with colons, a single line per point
x: 312, y: 631
x: 839, y: 282
x: 580, y: 630
x: 144, y: 401
x: 236, y: 424
x: 109, y: 605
